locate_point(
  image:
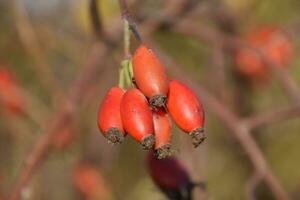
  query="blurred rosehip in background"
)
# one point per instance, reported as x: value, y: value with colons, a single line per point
x: 171, y: 177
x: 10, y: 98
x: 272, y: 42
x: 89, y: 182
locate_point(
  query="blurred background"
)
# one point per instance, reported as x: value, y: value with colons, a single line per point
x: 46, y: 45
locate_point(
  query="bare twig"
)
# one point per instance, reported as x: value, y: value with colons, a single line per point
x: 251, y: 185
x: 272, y: 116
x: 95, y: 18
x: 217, y: 70
x: 72, y: 102
x: 28, y: 37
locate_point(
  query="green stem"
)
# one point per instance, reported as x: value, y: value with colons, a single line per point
x: 126, y: 39
x: 121, y: 78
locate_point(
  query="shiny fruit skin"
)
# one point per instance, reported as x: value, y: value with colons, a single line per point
x: 149, y: 73
x: 109, y: 115
x: 184, y: 107
x: 162, y: 132
x: 137, y: 115
x: 162, y: 128
x: 270, y: 40
x: 186, y: 111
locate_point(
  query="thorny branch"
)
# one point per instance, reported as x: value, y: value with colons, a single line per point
x: 239, y: 127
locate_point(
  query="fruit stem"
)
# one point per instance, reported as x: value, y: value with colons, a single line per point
x: 126, y: 16
x: 121, y: 78
x: 126, y: 40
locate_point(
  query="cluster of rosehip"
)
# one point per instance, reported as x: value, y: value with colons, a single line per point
x: 141, y: 111
x: 270, y: 40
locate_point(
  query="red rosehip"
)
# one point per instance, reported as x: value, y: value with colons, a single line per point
x: 270, y: 40
x: 137, y: 117
x: 162, y: 132
x: 109, y: 116
x: 88, y: 181
x: 171, y: 177
x: 150, y: 76
x: 186, y: 111
x: 10, y: 99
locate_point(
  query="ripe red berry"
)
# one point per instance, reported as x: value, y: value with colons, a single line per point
x: 170, y: 176
x: 150, y: 76
x: 162, y: 132
x: 186, y: 111
x: 270, y: 40
x: 137, y: 117
x: 109, y: 116
x: 10, y: 98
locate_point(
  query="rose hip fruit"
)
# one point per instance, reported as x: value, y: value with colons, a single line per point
x: 88, y: 181
x: 137, y: 117
x: 10, y: 98
x: 150, y: 76
x: 109, y: 116
x: 186, y: 111
x: 273, y: 42
x: 162, y: 132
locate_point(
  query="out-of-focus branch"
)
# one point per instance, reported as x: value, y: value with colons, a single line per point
x: 95, y: 18
x: 238, y: 131
x: 272, y: 116
x: 251, y: 185
x: 63, y: 116
x: 217, y: 70
x: 28, y: 38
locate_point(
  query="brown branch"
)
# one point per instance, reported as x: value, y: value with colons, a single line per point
x: 95, y: 17
x: 251, y: 185
x: 127, y: 16
x: 273, y: 116
x: 28, y: 38
x: 72, y: 103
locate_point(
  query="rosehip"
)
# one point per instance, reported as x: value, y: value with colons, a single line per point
x: 137, y: 117
x: 273, y: 42
x: 10, y: 99
x: 171, y: 177
x: 109, y: 116
x: 162, y: 132
x: 88, y: 181
x: 186, y: 111
x: 150, y: 76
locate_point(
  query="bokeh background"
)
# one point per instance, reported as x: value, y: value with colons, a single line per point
x: 45, y: 45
